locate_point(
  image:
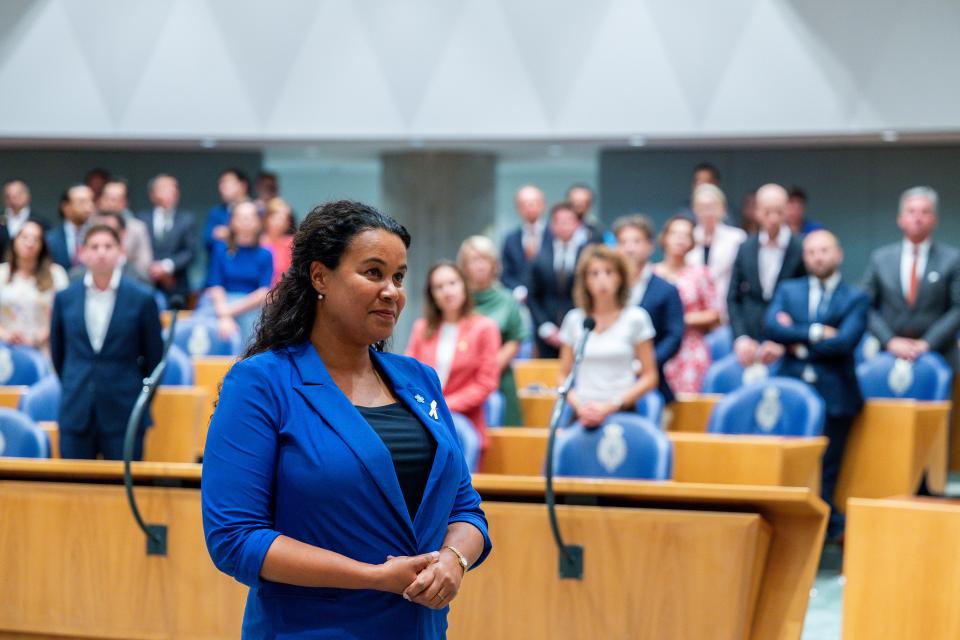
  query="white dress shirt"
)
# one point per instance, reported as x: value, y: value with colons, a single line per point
x: 98, y: 308
x: 531, y: 234
x: 771, y: 259
x: 446, y: 349
x: 906, y: 263
x: 639, y: 288
x: 817, y: 290
x: 565, y: 256
x: 16, y: 220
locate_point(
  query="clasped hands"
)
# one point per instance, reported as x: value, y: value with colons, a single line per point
x: 431, y: 579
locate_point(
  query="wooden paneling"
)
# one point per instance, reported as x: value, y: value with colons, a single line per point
x: 537, y: 373
x: 902, y: 569
x: 208, y: 374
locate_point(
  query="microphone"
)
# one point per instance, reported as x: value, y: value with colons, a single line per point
x: 176, y: 302
x: 156, y: 533
x: 571, y: 556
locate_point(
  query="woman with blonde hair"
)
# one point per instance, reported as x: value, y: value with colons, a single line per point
x: 715, y: 243
x: 608, y: 380
x: 480, y: 262
x: 701, y: 313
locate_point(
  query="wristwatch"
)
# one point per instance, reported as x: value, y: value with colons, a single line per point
x: 462, y: 559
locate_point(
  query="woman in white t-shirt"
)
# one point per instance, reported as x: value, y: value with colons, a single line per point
x: 608, y: 380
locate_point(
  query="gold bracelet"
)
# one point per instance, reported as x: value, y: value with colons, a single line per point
x: 461, y: 559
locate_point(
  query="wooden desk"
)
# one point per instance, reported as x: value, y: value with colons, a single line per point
x: 208, y: 374
x: 955, y: 428
x: 704, y: 560
x: 698, y: 457
x: 690, y: 412
x: 166, y: 315
x: 891, y: 443
x: 542, y: 372
x: 10, y: 395
x: 902, y: 569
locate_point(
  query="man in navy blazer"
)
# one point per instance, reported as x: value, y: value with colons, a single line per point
x: 550, y: 288
x: 522, y: 245
x: 104, y: 340
x: 763, y: 261
x: 64, y: 240
x: 820, y: 320
x: 659, y: 298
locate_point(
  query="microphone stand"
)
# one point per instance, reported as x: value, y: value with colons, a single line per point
x: 571, y: 556
x: 156, y: 533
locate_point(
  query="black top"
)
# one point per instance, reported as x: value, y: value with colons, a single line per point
x: 410, y: 445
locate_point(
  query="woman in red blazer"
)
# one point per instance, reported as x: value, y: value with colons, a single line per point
x: 462, y: 346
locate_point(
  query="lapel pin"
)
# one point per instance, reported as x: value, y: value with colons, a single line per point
x: 418, y: 398
x: 433, y: 410
x: 933, y: 276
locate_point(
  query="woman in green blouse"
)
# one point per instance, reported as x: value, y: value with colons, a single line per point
x: 480, y: 262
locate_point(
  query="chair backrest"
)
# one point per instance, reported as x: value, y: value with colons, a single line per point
x: 720, y: 343
x: 776, y: 406
x: 624, y: 446
x: 726, y: 375
x: 650, y: 406
x: 886, y: 376
x: 493, y: 409
x: 20, y: 365
x: 41, y: 402
x: 868, y: 348
x: 20, y: 437
x: 179, y: 369
x: 198, y: 336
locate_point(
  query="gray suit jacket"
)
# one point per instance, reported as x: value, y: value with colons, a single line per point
x: 178, y: 245
x: 935, y: 317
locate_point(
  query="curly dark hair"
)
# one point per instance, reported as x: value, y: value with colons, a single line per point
x: 323, y: 236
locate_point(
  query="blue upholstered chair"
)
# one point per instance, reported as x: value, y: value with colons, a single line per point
x: 469, y: 439
x: 777, y: 406
x: 41, y: 402
x: 928, y: 378
x: 179, y: 369
x: 198, y: 336
x: 20, y: 365
x: 493, y: 409
x: 650, y: 406
x: 720, y: 343
x: 726, y: 375
x: 20, y: 437
x: 624, y: 446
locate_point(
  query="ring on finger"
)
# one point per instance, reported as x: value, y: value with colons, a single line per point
x: 439, y: 596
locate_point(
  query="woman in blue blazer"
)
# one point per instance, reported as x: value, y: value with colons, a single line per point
x: 333, y: 482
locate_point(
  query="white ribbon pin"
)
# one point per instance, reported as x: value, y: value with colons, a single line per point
x: 433, y: 410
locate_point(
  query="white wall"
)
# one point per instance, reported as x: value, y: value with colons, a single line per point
x: 477, y: 69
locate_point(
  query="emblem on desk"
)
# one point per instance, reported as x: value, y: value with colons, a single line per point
x: 433, y: 410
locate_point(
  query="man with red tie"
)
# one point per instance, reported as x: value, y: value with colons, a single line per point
x: 914, y: 285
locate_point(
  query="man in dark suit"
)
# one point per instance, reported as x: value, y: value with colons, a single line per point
x: 580, y: 197
x: 16, y: 211
x: 661, y: 299
x: 171, y: 234
x: 550, y: 286
x: 104, y: 340
x: 522, y: 245
x: 914, y: 285
x: 763, y: 261
x: 65, y: 239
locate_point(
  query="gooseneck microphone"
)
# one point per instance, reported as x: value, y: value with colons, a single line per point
x: 571, y: 556
x: 156, y: 533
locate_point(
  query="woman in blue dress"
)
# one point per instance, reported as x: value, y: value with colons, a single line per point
x: 333, y: 484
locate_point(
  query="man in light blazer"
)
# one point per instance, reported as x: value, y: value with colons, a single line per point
x: 522, y: 245
x: 914, y: 285
x: 171, y: 233
x: 763, y: 261
x: 105, y: 338
x: 820, y: 320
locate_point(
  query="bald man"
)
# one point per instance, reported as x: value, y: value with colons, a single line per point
x: 522, y: 246
x: 819, y: 320
x: 763, y: 261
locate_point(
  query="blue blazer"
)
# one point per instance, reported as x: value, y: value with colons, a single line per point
x: 57, y: 246
x: 662, y: 302
x: 287, y: 453
x: 516, y: 267
x: 110, y: 380
x: 833, y: 359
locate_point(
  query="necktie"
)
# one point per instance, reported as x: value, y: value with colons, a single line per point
x: 529, y: 246
x: 823, y: 304
x: 912, y: 291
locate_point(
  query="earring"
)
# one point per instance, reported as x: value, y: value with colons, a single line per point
x: 319, y: 296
